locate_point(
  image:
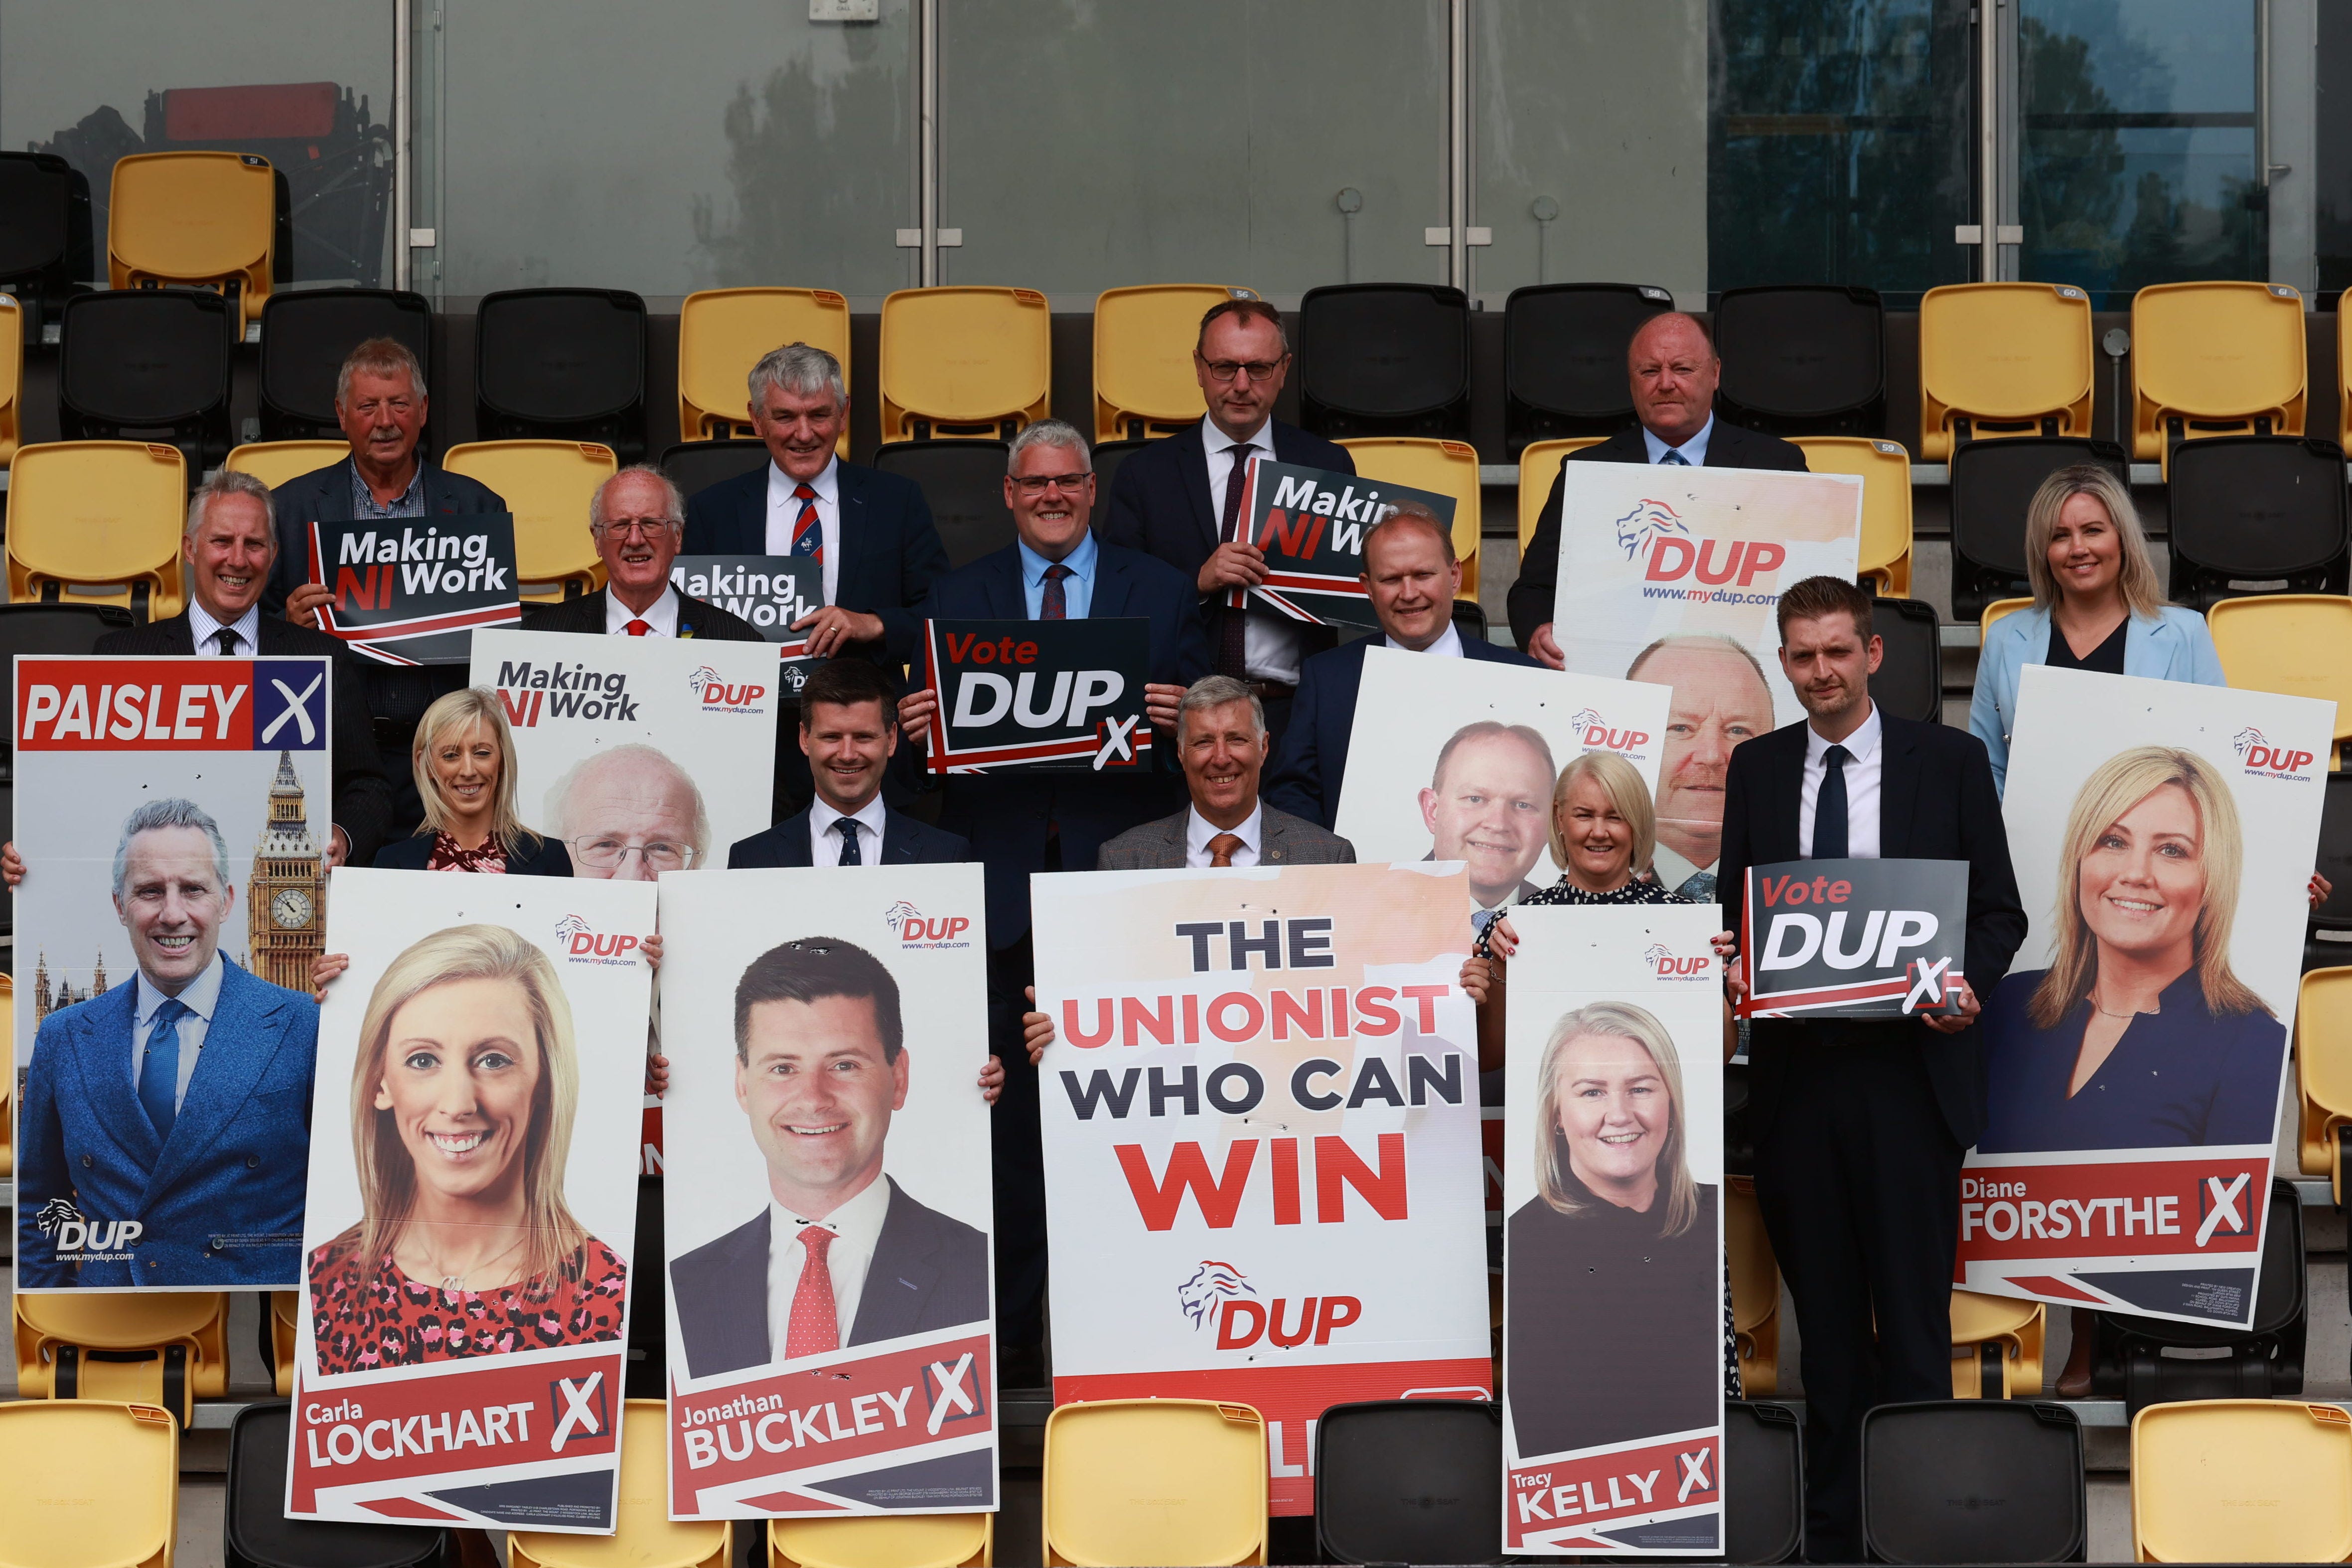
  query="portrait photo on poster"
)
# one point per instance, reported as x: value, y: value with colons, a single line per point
x: 828, y: 1192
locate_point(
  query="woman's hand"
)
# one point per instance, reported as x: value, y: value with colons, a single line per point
x: 1502, y: 937
x: 1735, y: 970
x: 2317, y: 891
x: 1477, y: 973
x: 11, y: 865
x: 1036, y: 1029
x: 323, y: 969
x: 651, y: 948
x: 992, y: 1079
x: 657, y: 1074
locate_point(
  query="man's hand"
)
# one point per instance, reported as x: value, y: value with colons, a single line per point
x: 1964, y: 993
x: 992, y: 1081
x: 302, y: 604
x: 1161, y: 702
x: 1544, y: 648
x: 1036, y: 1029
x: 656, y: 1075
x: 832, y: 628
x: 323, y: 969
x: 11, y: 865
x: 915, y: 711
x: 339, y: 849
x: 1233, y: 565
x: 2318, y: 892
x: 651, y: 948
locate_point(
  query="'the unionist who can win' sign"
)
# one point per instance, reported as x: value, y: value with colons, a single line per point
x: 1856, y: 939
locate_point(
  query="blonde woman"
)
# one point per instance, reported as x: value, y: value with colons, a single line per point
x: 463, y: 1095
x: 464, y: 763
x: 2138, y: 1035
x: 1615, y: 1256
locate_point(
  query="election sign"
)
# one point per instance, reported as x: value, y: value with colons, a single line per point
x: 1311, y: 524
x: 1041, y: 695
x: 1262, y: 1135
x: 2137, y: 1051
x: 1855, y: 939
x: 826, y: 1031
x: 412, y: 591
x: 467, y: 1250
x: 1612, y: 1177
x: 173, y: 817
x: 771, y: 592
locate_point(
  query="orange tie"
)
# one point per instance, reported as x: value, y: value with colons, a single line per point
x: 814, y: 1326
x: 1222, y: 847
x: 639, y: 628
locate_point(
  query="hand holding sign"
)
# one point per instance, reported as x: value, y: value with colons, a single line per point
x: 1868, y: 939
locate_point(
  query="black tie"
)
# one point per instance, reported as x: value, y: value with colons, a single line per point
x: 1829, y: 811
x: 227, y: 638
x: 849, y: 854
x: 1233, y: 658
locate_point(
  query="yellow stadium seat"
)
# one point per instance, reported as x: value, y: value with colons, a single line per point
x: 98, y: 522
x: 2215, y: 358
x: 2323, y: 1069
x: 964, y: 362
x: 12, y: 373
x: 285, y: 1331
x: 643, y: 1535
x: 2296, y: 645
x: 87, y: 1485
x: 723, y: 332
x: 275, y: 462
x: 884, y: 1541
x: 200, y: 219
x: 1994, y: 611
x: 1885, y: 469
x: 1155, y: 1480
x: 2241, y: 1480
x: 1443, y: 467
x: 548, y: 485
x: 1996, y: 1346
x: 2009, y: 359
x: 1144, y: 384
x: 1755, y: 1288
x: 7, y: 1074
x: 1540, y: 464
x: 2343, y: 378
x: 167, y: 1348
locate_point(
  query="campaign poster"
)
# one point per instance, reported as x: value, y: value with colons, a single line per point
x: 831, y: 1295
x: 771, y: 592
x: 173, y: 816
x: 1311, y: 524
x: 413, y: 590
x: 1262, y: 1135
x: 1454, y: 761
x: 1612, y: 1247
x: 1039, y: 696
x: 2136, y: 1051
x: 1855, y: 939
x: 1672, y: 575
x: 466, y: 1255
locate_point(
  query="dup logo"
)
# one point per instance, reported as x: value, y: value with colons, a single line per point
x: 1647, y: 521
x: 78, y: 1239
x: 1220, y: 1294
x: 578, y: 942
x: 915, y: 929
x: 719, y: 696
x: 1668, y: 964
x: 1594, y: 732
x: 2267, y: 760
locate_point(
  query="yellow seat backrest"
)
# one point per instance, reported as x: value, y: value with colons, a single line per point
x: 275, y: 462
x: 7, y: 1073
x: 643, y: 1535
x: 1144, y: 338
x: 1884, y: 470
x: 1442, y: 467
x: 2219, y: 354
x: 1540, y: 464
x: 964, y: 362
x: 2004, y: 353
x: 885, y: 1540
x: 1996, y: 610
x: 1155, y: 1480
x: 2323, y: 1064
x: 95, y: 517
x: 2297, y: 645
x: 12, y: 373
x: 2241, y: 1480
x: 547, y: 485
x: 88, y: 1484
x: 2343, y: 378
x: 122, y: 1321
x: 284, y: 1334
x: 193, y: 218
x: 723, y: 332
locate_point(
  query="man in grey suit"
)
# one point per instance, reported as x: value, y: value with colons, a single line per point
x: 1221, y: 738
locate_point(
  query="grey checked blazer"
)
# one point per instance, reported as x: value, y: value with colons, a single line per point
x: 1290, y: 840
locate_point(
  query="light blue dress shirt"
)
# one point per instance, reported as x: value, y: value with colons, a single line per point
x: 1694, y: 451
x: 201, y: 997
x: 1078, y: 591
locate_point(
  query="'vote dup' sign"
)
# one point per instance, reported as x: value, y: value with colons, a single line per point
x: 1863, y: 938
x: 1060, y: 695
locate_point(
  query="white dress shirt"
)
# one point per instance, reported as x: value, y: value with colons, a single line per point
x: 661, y: 615
x: 1272, y: 645
x: 825, y: 832
x: 1673, y: 871
x: 206, y: 631
x: 1862, y: 776
x: 202, y: 995
x: 1694, y: 451
x: 1199, y: 830
x: 783, y: 512
x: 857, y: 1227
x: 1447, y: 646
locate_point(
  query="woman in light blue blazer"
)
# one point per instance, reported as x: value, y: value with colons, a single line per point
x: 2096, y: 606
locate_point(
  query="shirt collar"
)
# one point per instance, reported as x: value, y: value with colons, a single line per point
x: 1863, y: 744
x: 1199, y: 830
x: 1216, y: 440
x: 661, y: 614
x: 199, y: 996
x: 1670, y: 870
x: 1694, y: 451
x: 411, y: 503
x: 1081, y: 561
x: 822, y: 817
x: 1447, y: 646
x: 827, y: 483
x: 857, y: 1222
x: 205, y: 627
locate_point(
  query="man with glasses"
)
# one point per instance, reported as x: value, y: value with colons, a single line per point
x: 628, y: 814
x: 638, y: 519
x: 1180, y: 497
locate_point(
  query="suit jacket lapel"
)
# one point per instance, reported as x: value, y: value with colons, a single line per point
x: 104, y: 1058
x: 1275, y: 848
x: 1192, y: 462
x: 856, y: 542
x: 181, y: 633
x: 247, y: 1025
x: 1005, y: 599
x: 1111, y: 585
x: 901, y: 835
x: 1789, y: 788
x: 795, y: 844
x: 1898, y: 787
x: 899, y: 1278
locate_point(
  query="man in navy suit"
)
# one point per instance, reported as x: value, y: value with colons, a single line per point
x: 848, y: 733
x: 1411, y: 576
x: 1674, y: 371
x: 1055, y: 570
x: 1177, y: 497
x: 166, y: 1123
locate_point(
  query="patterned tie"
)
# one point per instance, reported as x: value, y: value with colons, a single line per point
x: 1829, y: 807
x: 1698, y: 887
x: 849, y: 851
x: 1222, y: 847
x: 1055, y: 604
x: 1481, y: 918
x: 159, y: 1066
x: 808, y: 538
x: 639, y: 628
x: 227, y: 638
x: 1233, y: 643
x: 814, y: 1326
x: 1673, y: 459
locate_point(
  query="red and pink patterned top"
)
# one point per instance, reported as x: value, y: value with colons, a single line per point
x: 386, y: 1319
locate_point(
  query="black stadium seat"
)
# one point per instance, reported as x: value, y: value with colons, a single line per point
x: 1973, y: 1480
x: 41, y: 629
x: 696, y: 465
x: 564, y: 364
x: 1992, y: 481
x: 149, y: 364
x: 964, y: 483
x: 1763, y: 1483
x: 1409, y: 1480
x: 1108, y: 457
x: 2333, y: 919
x: 1802, y: 360
x: 2256, y: 514
x: 305, y: 338
x: 1910, y: 679
x: 44, y: 234
x: 1385, y: 359
x: 255, y: 1532
x: 1564, y: 358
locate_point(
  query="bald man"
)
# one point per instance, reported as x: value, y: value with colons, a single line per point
x: 629, y: 814
x: 1719, y: 699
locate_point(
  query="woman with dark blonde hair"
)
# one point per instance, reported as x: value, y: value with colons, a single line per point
x: 463, y: 759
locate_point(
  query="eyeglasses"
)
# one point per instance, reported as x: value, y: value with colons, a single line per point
x: 1031, y: 484
x: 1224, y: 370
x: 604, y: 853
x: 625, y: 527
x: 398, y: 407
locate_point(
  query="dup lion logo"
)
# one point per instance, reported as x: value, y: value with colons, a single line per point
x: 1648, y: 520
x: 1212, y: 1285
x: 571, y: 926
x: 899, y: 914
x: 1656, y: 951
x: 701, y: 678
x: 1587, y: 718
x: 2247, y: 738
x: 57, y: 1211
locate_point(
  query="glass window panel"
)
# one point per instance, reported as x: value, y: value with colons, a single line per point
x: 308, y: 87
x: 2333, y: 136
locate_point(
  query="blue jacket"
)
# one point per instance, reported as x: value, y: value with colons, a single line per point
x: 904, y: 842
x: 1313, y: 761
x: 221, y: 1200
x: 2175, y: 646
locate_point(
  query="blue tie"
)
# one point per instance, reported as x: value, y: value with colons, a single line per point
x: 849, y: 851
x: 1673, y: 459
x: 1830, y: 807
x: 159, y: 1066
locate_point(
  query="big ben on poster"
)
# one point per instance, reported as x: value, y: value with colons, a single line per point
x: 285, y: 898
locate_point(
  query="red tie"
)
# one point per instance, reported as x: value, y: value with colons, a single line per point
x: 816, y: 1326
x: 640, y: 628
x: 808, y: 538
